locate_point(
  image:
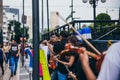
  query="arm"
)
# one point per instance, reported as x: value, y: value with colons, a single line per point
x: 18, y: 51
x: 85, y: 64
x: 67, y: 63
x: 3, y: 53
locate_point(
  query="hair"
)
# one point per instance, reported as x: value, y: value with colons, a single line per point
x: 55, y: 33
x: 74, y: 40
x: 64, y: 34
x: 13, y: 39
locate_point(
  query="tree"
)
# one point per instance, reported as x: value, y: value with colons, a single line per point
x: 17, y: 30
x: 103, y: 16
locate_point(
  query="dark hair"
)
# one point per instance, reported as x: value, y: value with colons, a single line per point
x: 55, y: 33
x: 74, y: 40
x: 13, y: 39
x: 64, y: 34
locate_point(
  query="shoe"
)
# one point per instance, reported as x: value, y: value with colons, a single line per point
x: 2, y: 73
x: 11, y: 75
x: 14, y: 73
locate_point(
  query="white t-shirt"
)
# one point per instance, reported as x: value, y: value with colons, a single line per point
x: 45, y: 49
x: 110, y: 69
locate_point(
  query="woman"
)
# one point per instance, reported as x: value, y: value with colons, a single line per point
x: 6, y: 51
x: 68, y: 59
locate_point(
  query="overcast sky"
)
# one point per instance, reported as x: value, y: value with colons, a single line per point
x: 82, y: 10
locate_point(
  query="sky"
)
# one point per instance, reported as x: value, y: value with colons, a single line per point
x: 83, y: 11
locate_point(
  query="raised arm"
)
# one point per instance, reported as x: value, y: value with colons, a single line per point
x: 85, y: 64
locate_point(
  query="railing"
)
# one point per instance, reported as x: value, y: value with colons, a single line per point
x: 78, y: 25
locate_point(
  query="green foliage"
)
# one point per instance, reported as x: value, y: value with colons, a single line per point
x: 103, y: 16
x: 18, y: 30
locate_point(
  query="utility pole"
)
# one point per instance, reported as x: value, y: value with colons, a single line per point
x: 23, y: 37
x: 36, y: 39
x: 119, y: 16
x: 94, y: 14
x: 72, y: 10
x: 48, y: 14
x: 42, y: 16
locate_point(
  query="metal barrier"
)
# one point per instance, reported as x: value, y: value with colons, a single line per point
x: 77, y: 24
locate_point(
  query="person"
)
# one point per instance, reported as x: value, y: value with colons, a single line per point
x: 110, y: 68
x: 58, y: 46
x: 69, y: 59
x: 47, y: 46
x: 52, y: 63
x: 6, y: 51
x: 14, y: 56
x: 1, y: 59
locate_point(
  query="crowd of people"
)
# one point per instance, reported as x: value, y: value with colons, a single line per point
x: 77, y: 65
x: 9, y: 55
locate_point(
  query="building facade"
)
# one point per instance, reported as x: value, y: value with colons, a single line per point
x: 1, y: 19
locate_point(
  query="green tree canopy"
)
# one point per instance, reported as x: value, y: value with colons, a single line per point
x: 103, y: 16
x: 17, y: 30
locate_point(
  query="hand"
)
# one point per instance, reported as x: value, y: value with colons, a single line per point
x: 72, y: 75
x: 55, y: 58
x: 17, y: 55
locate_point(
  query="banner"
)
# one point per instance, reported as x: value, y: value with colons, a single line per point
x: 45, y: 70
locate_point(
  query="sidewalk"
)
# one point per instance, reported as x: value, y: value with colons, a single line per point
x: 25, y: 72
x: 7, y: 74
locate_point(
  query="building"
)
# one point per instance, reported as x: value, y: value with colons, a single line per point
x: 29, y: 21
x: 1, y: 13
x: 1, y: 19
x: 54, y: 20
x: 5, y: 31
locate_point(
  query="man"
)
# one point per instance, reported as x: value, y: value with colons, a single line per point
x: 58, y: 47
x: 110, y: 69
x: 14, y: 56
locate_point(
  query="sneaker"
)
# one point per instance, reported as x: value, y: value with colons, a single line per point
x: 11, y: 75
x: 14, y: 73
x: 2, y: 73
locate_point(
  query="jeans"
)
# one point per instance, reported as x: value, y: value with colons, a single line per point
x: 7, y: 57
x: 62, y: 76
x: 54, y: 75
x: 14, y: 64
x: 1, y: 65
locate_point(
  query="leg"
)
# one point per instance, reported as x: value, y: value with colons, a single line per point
x: 54, y: 75
x: 62, y: 76
x: 12, y: 62
x: 1, y: 65
x: 16, y: 64
x: 7, y: 56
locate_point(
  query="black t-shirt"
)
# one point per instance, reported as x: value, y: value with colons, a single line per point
x: 65, y: 57
x: 59, y: 46
x: 14, y: 50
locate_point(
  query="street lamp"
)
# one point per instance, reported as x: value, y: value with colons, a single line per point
x: 94, y: 3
